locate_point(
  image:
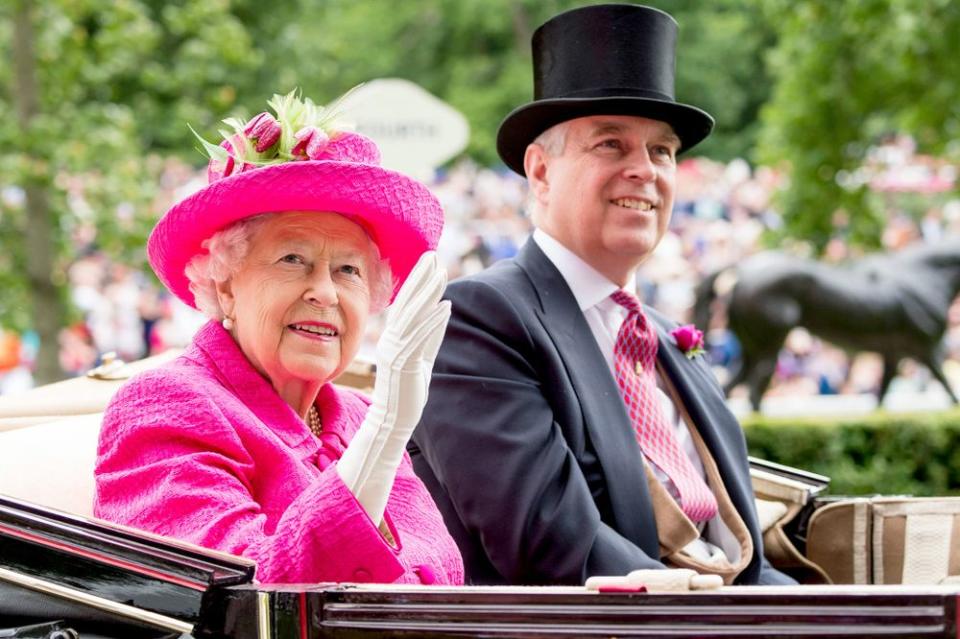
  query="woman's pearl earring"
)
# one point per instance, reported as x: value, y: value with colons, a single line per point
x: 227, y: 324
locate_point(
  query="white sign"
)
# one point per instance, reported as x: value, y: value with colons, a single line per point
x: 416, y: 131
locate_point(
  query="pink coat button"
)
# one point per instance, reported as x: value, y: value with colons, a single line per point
x: 426, y: 574
x: 361, y: 575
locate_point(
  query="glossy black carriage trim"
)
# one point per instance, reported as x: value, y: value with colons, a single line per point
x: 341, y: 612
x: 114, y: 563
x: 185, y: 561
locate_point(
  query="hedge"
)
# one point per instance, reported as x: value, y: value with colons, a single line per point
x: 880, y: 453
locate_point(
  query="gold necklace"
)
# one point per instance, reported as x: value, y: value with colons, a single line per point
x: 313, y: 421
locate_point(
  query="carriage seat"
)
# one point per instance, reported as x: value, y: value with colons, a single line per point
x: 52, y: 464
x: 48, y: 435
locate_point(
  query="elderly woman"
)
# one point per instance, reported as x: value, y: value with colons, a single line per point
x: 243, y: 444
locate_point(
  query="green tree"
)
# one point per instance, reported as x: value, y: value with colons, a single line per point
x: 475, y: 54
x: 103, y: 91
x: 93, y: 83
x: 845, y: 74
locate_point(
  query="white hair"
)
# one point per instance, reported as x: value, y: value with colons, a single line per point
x: 553, y: 141
x: 228, y: 247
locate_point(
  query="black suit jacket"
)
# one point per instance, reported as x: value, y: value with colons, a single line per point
x: 526, y: 445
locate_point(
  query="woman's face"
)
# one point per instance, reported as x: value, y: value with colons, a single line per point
x: 301, y: 297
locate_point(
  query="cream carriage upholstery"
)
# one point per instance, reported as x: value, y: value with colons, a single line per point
x: 52, y: 464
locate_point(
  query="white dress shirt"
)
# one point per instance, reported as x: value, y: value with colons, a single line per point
x: 592, y: 291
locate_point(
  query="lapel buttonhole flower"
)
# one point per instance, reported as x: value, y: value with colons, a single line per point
x: 689, y: 339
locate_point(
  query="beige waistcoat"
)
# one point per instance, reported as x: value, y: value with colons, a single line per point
x: 675, y: 530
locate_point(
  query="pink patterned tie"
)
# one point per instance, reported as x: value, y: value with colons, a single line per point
x: 635, y: 356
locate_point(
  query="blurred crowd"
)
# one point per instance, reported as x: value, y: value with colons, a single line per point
x: 721, y: 213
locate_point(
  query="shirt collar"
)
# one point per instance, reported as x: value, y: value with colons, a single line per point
x: 588, y: 285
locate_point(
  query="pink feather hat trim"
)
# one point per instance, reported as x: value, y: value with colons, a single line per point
x: 399, y: 214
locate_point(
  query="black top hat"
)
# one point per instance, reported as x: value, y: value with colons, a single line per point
x: 608, y: 59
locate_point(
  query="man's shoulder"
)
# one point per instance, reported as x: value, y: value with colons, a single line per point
x: 504, y: 272
x: 505, y: 281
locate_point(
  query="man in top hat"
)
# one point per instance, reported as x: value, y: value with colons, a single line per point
x: 567, y: 433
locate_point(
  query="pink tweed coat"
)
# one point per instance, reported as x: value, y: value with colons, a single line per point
x: 204, y: 450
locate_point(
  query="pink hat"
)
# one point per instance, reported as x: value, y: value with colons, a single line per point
x: 296, y: 162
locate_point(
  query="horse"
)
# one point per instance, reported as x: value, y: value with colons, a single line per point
x: 894, y: 304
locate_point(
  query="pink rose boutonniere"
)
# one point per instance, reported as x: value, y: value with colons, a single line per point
x: 689, y: 339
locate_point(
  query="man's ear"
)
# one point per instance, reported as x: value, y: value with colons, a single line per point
x: 225, y: 297
x: 535, y: 161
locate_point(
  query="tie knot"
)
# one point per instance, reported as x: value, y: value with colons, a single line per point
x: 626, y: 300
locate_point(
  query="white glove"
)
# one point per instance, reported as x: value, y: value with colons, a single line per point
x: 416, y: 322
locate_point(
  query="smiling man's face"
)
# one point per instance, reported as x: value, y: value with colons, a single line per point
x: 608, y: 194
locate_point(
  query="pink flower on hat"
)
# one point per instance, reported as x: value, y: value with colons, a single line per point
x: 689, y: 339
x: 219, y: 168
x: 301, y: 130
x: 226, y: 165
x: 310, y: 143
x: 263, y: 130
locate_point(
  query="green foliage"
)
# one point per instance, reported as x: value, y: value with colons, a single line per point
x: 720, y: 69
x: 475, y: 54
x: 119, y: 80
x: 846, y: 73
x: 114, y: 81
x: 471, y: 53
x: 881, y: 453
